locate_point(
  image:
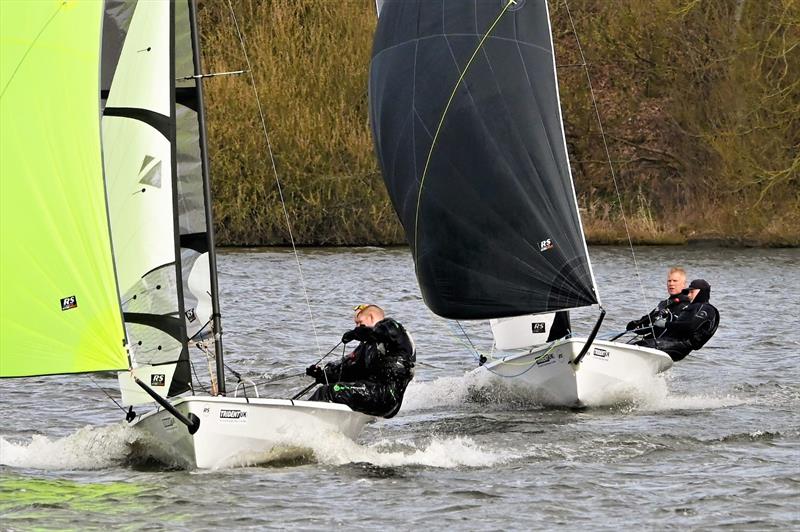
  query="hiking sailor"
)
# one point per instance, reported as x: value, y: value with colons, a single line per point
x: 692, y: 328
x: 372, y: 378
x: 666, y: 310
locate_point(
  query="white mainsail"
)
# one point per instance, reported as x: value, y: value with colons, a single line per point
x: 138, y: 133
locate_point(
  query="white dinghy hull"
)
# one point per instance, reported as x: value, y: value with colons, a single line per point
x: 241, y: 432
x: 609, y: 374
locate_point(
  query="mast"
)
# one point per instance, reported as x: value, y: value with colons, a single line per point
x: 173, y: 131
x: 212, y: 254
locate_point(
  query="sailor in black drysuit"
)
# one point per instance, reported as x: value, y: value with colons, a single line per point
x: 655, y: 321
x: 690, y: 329
x: 373, y: 378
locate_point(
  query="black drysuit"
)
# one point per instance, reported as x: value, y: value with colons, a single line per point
x: 666, y: 310
x: 691, y: 329
x: 373, y: 378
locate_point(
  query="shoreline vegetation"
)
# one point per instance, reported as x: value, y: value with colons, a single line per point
x: 700, y: 103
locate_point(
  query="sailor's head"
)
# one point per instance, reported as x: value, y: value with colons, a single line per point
x: 697, y: 287
x: 368, y: 315
x: 676, y: 280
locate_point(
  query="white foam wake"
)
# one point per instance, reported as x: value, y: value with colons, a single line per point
x: 444, y: 391
x: 334, y: 449
x: 445, y: 453
x: 92, y: 448
x: 86, y: 448
x: 651, y: 394
x: 671, y: 401
x: 656, y: 396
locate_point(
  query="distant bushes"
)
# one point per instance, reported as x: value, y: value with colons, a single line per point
x: 310, y: 62
x: 700, y: 102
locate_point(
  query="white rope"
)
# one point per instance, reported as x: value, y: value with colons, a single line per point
x: 608, y: 155
x: 275, y: 173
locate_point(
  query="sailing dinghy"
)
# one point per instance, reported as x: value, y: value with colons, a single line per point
x: 467, y: 126
x: 103, y: 153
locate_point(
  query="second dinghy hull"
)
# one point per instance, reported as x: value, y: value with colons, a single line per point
x: 609, y: 374
x: 241, y: 432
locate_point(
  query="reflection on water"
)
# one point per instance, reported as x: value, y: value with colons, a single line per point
x: 58, y: 503
x: 96, y: 497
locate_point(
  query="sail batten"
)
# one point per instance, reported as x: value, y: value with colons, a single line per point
x: 466, y: 122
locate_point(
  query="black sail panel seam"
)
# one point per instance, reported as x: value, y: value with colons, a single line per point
x: 156, y: 120
x: 167, y: 324
x: 195, y: 241
x: 187, y: 97
x: 159, y: 267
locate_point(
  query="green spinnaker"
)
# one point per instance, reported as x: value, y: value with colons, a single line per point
x: 59, y: 307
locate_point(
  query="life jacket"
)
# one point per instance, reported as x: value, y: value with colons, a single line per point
x: 706, y: 330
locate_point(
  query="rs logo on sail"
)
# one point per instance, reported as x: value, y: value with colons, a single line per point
x: 69, y: 302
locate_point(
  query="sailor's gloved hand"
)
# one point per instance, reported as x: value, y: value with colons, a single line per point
x: 632, y: 325
x: 316, y: 373
x: 361, y: 333
x: 662, y: 318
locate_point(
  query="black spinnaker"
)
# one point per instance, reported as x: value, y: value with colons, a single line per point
x: 467, y: 126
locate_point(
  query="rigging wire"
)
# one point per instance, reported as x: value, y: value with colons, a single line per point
x: 275, y: 172
x: 464, y: 332
x: 527, y: 365
x: 608, y: 157
x: 273, y: 380
x: 476, y: 352
x: 107, y: 394
x: 197, y: 378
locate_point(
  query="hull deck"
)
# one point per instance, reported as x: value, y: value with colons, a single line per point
x: 610, y: 373
x: 239, y: 432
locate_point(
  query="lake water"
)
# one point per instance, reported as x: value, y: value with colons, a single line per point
x: 715, y: 443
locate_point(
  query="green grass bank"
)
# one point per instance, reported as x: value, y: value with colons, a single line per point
x: 700, y: 103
